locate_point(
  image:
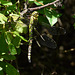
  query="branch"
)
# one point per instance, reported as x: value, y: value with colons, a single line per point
x: 36, y: 8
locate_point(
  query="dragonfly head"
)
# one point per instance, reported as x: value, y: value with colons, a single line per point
x: 35, y: 14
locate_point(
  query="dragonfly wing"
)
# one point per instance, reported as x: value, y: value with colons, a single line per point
x: 53, y: 30
x: 44, y: 40
x: 56, y: 30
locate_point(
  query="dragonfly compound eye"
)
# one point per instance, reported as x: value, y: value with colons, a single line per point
x: 35, y: 14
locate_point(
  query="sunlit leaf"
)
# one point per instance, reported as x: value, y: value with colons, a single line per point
x: 1, y: 59
x: 1, y: 68
x: 3, y: 18
x: 5, y: 2
x: 51, y: 16
x: 16, y: 33
x: 14, y: 16
x: 31, y: 0
x: 21, y: 27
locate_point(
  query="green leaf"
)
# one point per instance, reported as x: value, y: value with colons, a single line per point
x: 3, y: 44
x: 38, y: 3
x: 5, y: 2
x: 73, y: 16
x: 8, y: 69
x: 21, y: 27
x: 12, y: 40
x: 42, y: 1
x: 0, y: 68
x: 14, y: 16
x: 11, y: 8
x: 18, y: 50
x: 8, y: 57
x: 16, y: 33
x: 3, y: 18
x: 13, y: 43
x: 1, y: 27
x: 12, y: 49
x: 1, y: 71
x: 13, y: 1
x: 41, y: 11
x: 74, y: 25
x: 51, y: 16
x: 31, y: 0
x: 1, y: 59
x: 8, y: 38
x: 11, y: 46
x: 25, y: 30
x: 42, y: 19
x: 16, y: 41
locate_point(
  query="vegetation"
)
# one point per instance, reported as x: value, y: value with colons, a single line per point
x: 15, y: 34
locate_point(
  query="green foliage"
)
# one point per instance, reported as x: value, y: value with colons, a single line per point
x: 10, y: 38
x: 5, y: 3
x: 3, y: 18
x: 8, y: 57
x: 8, y: 69
x: 73, y: 16
x: 3, y: 44
x: 50, y: 14
x: 12, y: 28
x: 74, y: 23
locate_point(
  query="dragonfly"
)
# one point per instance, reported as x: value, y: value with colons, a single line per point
x: 43, y: 38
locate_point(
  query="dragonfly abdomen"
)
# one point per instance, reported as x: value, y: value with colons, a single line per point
x: 30, y: 42
x: 33, y: 22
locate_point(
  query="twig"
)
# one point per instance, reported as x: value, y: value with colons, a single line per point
x: 36, y: 8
